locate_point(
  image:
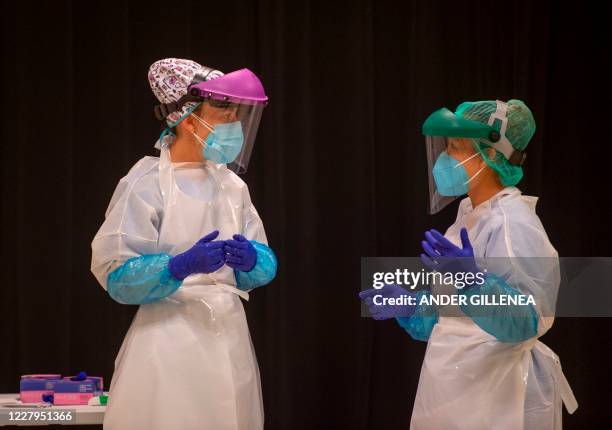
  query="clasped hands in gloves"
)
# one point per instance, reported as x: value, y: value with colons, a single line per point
x: 209, y: 255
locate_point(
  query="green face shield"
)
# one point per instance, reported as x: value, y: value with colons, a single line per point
x: 449, y: 181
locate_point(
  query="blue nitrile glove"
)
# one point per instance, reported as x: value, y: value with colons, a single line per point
x: 206, y: 256
x: 385, y: 311
x: 240, y: 254
x: 444, y: 256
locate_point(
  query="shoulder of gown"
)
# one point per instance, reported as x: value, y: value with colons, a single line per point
x: 516, y: 230
x: 142, y: 179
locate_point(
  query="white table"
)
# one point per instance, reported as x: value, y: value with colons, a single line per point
x: 85, y: 415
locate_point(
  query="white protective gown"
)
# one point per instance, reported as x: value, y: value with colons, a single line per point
x: 470, y: 380
x: 187, y: 361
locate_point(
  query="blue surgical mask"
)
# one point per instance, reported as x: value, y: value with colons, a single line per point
x: 223, y: 143
x: 450, y: 175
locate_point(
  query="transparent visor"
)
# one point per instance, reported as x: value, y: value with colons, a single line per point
x: 448, y: 179
x: 228, y: 131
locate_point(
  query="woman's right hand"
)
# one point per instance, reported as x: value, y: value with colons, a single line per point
x: 391, y: 301
x: 206, y: 256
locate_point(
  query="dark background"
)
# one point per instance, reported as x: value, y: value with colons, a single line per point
x: 338, y: 172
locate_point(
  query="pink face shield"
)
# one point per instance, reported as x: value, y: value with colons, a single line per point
x: 235, y: 97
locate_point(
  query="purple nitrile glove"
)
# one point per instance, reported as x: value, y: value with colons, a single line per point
x: 444, y: 256
x: 206, y: 256
x: 240, y: 254
x: 383, y: 311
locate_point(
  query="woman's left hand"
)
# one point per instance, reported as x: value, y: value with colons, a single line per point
x: 240, y: 254
x: 444, y: 256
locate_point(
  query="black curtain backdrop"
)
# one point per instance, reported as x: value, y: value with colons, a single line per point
x: 338, y: 172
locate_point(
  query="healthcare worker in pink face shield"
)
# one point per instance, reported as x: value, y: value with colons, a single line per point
x: 484, y: 367
x: 182, y: 239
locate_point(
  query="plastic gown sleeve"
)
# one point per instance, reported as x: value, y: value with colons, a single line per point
x: 420, y: 324
x: 519, y: 260
x: 125, y: 255
x: 508, y: 323
x: 142, y: 280
x: 265, y: 267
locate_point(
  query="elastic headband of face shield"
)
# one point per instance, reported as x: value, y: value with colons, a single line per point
x: 162, y: 110
x: 197, y: 94
x: 445, y: 123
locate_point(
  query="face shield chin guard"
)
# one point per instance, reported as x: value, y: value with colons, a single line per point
x: 443, y: 125
x: 235, y: 97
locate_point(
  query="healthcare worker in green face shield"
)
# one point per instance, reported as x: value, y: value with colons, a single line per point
x: 484, y: 371
x: 485, y: 367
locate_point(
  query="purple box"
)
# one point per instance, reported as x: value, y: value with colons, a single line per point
x: 97, y: 379
x: 33, y: 387
x: 67, y: 392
